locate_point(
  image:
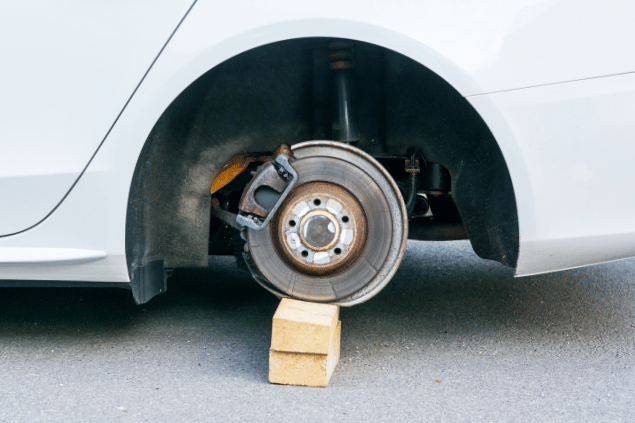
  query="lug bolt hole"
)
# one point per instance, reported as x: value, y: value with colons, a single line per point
x: 305, y: 253
x: 337, y: 251
x: 317, y: 202
x: 291, y: 222
x: 345, y: 219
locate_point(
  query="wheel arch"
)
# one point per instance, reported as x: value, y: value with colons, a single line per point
x: 176, y: 150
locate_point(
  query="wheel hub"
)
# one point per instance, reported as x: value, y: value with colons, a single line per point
x: 320, y: 229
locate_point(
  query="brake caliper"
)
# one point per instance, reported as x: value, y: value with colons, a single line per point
x: 270, y: 185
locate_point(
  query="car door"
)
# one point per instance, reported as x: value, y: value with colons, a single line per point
x: 68, y: 68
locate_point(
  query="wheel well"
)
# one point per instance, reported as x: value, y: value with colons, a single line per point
x: 279, y: 93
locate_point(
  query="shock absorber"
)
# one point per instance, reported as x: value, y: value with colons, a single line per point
x: 344, y: 125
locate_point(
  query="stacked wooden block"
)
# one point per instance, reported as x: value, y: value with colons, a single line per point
x: 305, y: 343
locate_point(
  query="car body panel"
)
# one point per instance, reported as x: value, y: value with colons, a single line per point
x: 24, y: 256
x: 67, y: 70
x: 576, y: 141
x: 479, y: 47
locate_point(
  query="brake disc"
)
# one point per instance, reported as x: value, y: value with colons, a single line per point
x: 339, y: 235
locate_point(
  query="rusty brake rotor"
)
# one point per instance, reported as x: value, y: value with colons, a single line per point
x: 339, y: 235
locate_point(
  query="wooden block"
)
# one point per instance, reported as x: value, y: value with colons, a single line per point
x: 303, y: 327
x: 289, y: 368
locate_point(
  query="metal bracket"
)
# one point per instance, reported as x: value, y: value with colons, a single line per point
x: 265, y: 193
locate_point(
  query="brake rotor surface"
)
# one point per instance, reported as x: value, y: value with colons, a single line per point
x: 340, y: 234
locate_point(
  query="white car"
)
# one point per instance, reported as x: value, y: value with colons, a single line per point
x: 140, y: 137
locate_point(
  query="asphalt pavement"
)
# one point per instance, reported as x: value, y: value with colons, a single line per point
x: 453, y: 338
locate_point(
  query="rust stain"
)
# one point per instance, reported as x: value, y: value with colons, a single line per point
x: 282, y: 148
x: 215, y: 204
x: 307, y: 193
x: 342, y: 64
x: 340, y: 55
x: 412, y: 169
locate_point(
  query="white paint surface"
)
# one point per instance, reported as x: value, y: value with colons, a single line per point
x: 21, y: 256
x: 577, y: 143
x: 70, y: 67
x: 67, y: 70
